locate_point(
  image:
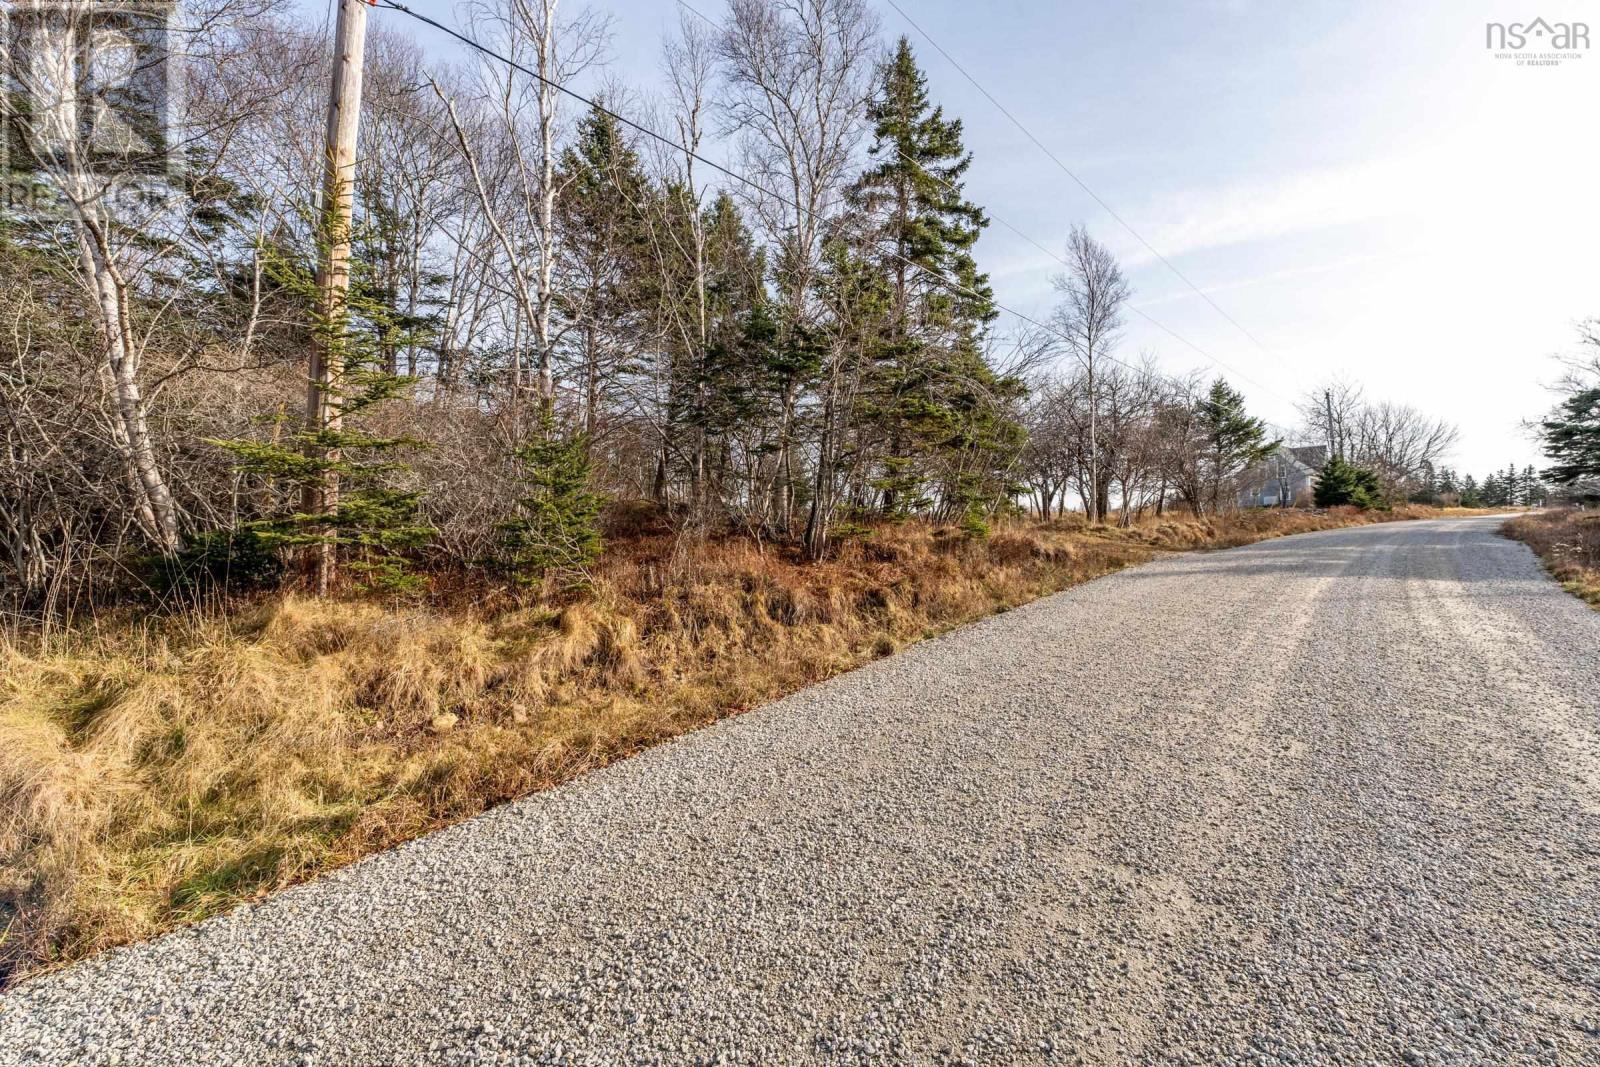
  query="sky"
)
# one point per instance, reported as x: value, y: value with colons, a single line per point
x: 1363, y: 187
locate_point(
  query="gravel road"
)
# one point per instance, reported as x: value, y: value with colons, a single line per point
x: 1328, y: 799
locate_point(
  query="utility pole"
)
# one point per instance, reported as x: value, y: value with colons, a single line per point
x: 323, y: 413
x: 1333, y: 441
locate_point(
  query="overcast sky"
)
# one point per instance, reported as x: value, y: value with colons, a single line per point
x: 1361, y: 184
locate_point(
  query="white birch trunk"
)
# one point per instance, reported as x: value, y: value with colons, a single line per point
x: 154, y: 506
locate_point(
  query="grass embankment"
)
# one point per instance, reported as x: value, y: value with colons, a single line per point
x: 1568, y: 540
x: 158, y: 770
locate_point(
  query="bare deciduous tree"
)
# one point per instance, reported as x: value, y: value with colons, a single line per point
x: 1093, y: 294
x: 1396, y: 441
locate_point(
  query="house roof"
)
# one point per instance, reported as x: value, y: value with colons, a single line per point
x: 1310, y: 455
x: 1307, y: 460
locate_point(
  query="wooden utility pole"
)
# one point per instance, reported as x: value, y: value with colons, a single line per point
x: 323, y: 413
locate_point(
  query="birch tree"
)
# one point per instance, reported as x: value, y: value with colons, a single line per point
x: 521, y: 120
x: 797, y: 74
x: 1093, y: 293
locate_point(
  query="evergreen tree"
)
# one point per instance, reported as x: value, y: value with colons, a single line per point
x: 1427, y: 485
x: 1471, y: 494
x: 604, y: 265
x: 1233, y: 440
x: 1342, y: 484
x: 914, y: 202
x: 555, y: 529
x: 913, y: 220
x: 1572, y: 439
x: 856, y: 299
x: 376, y: 520
x: 1535, y: 493
x: 727, y: 375
x: 393, y: 277
x: 1496, y: 493
x: 604, y: 295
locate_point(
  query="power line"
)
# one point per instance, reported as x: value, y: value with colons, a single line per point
x: 1152, y: 320
x: 735, y: 175
x: 939, y: 278
x: 1039, y: 245
x: 1080, y: 182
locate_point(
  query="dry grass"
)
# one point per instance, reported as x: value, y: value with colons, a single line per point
x: 1568, y: 540
x: 160, y: 770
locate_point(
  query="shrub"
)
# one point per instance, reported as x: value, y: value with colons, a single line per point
x: 556, y: 526
x: 239, y: 560
x: 975, y: 522
x: 1341, y: 483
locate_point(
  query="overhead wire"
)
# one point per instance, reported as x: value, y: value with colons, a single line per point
x: 1151, y: 319
x: 477, y: 46
x: 1069, y: 172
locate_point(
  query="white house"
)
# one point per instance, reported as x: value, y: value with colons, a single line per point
x: 1286, y: 477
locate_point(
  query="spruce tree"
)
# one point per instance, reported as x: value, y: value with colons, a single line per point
x: 913, y: 219
x: 376, y: 522
x: 729, y: 374
x: 1534, y: 492
x: 856, y: 298
x: 1572, y: 439
x: 914, y: 201
x: 605, y: 270
x: 393, y: 277
x: 1232, y: 439
x: 606, y: 290
x: 1495, y: 493
x: 1427, y: 485
x: 555, y: 528
x: 1343, y: 484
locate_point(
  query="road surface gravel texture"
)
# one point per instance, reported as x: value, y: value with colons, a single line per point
x: 1323, y: 800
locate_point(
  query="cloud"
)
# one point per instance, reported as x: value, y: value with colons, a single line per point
x: 1303, y: 202
x: 1276, y: 276
x: 1186, y: 221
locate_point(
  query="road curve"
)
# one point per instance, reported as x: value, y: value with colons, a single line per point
x: 1328, y: 799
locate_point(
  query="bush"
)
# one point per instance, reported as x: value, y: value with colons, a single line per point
x: 1568, y: 541
x: 1341, y: 484
x: 556, y: 527
x: 975, y: 522
x: 239, y: 560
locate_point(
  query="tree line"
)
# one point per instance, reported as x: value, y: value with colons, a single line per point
x: 551, y: 313
x: 1511, y: 487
